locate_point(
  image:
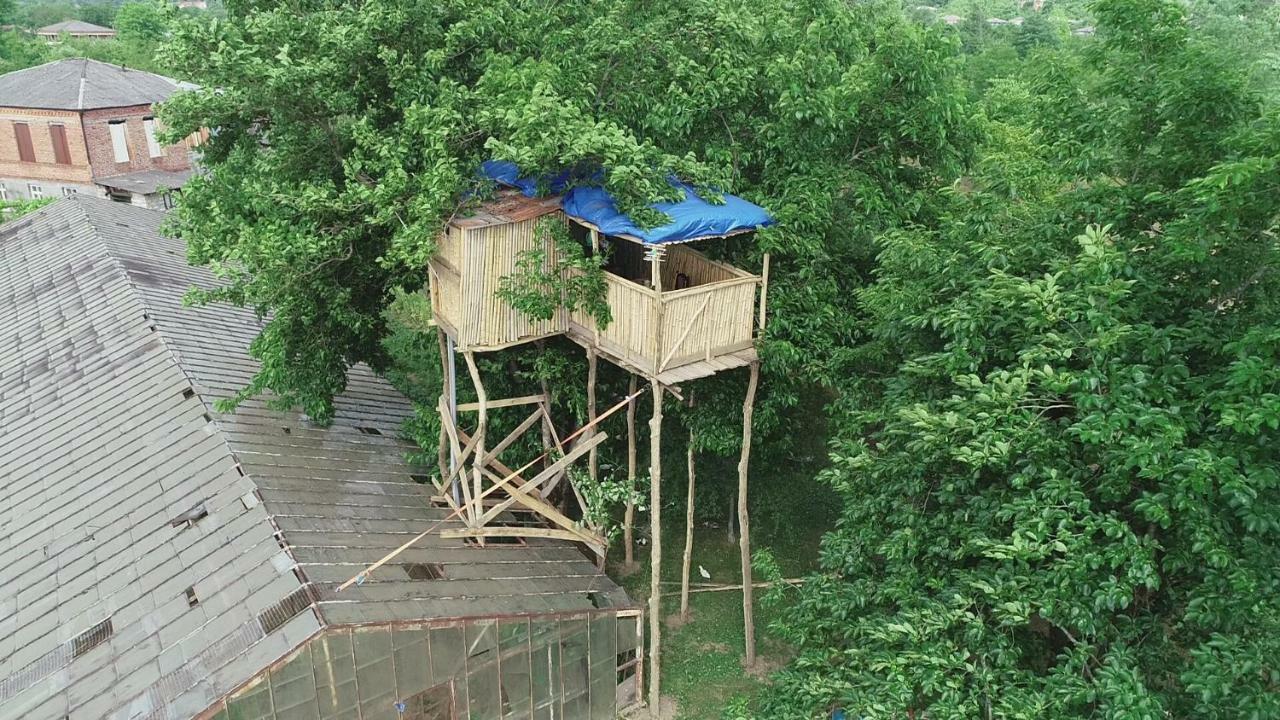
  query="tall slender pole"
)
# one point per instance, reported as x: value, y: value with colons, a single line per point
x: 688, y: 534
x: 655, y: 549
x: 481, y: 425
x: 629, y: 517
x: 744, y: 522
x: 593, y: 465
x: 449, y: 368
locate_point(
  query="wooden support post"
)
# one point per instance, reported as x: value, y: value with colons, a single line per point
x: 655, y: 269
x: 442, y: 454
x: 655, y: 549
x: 688, y: 537
x: 764, y: 290
x: 593, y: 465
x: 481, y: 425
x: 629, y: 516
x: 744, y: 523
x: 448, y: 396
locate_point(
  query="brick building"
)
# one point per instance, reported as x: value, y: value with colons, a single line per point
x: 78, y: 126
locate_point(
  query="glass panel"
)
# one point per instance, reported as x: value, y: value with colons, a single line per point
x: 335, y: 672
x: 412, y: 661
x: 514, y: 649
x: 433, y: 704
x: 483, y: 689
x: 293, y: 689
x: 448, y: 659
x: 545, y: 668
x: 253, y: 703
x: 604, y: 664
x: 375, y: 675
x: 573, y: 656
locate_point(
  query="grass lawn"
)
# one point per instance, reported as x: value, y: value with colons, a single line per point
x: 702, y: 660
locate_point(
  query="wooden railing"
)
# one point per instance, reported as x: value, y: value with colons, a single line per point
x: 658, y: 331
x: 702, y: 322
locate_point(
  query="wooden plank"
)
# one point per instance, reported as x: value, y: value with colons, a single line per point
x: 512, y: 436
x: 577, y: 452
x: 515, y: 531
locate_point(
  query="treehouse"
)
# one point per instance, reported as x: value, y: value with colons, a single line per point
x: 675, y: 314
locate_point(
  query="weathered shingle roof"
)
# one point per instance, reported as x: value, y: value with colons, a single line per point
x: 83, y: 84
x: 146, y: 181
x: 108, y: 432
x: 74, y: 26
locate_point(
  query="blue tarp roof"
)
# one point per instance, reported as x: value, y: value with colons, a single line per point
x: 692, y: 218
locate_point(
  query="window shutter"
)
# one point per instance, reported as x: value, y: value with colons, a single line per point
x: 119, y: 141
x: 153, y: 146
x: 61, y: 152
x: 22, y: 133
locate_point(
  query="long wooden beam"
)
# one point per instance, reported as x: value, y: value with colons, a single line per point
x: 505, y: 402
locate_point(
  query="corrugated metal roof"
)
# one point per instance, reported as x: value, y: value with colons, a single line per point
x: 84, y: 84
x: 107, y: 434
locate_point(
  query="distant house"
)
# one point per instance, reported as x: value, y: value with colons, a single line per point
x: 75, y: 29
x: 193, y: 4
x: 79, y: 126
x: 163, y: 561
x: 952, y: 19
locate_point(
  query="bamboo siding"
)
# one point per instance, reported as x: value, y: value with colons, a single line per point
x: 490, y: 254
x: 701, y: 270
x: 702, y: 322
x: 650, y: 331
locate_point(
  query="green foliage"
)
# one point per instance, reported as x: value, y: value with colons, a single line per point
x: 1060, y: 488
x: 14, y: 209
x: 573, y: 281
x: 145, y: 22
x: 350, y: 131
x: 605, y: 497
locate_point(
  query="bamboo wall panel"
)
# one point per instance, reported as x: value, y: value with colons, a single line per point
x: 488, y: 255
x: 631, y: 332
x: 699, y: 322
x: 697, y: 267
x: 449, y: 247
x: 446, y: 294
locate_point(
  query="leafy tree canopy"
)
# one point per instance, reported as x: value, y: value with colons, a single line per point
x: 348, y: 132
x: 1061, y: 486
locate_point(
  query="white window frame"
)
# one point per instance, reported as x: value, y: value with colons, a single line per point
x: 4, y: 192
x: 119, y: 140
x: 149, y: 126
x: 70, y: 191
x: 36, y: 191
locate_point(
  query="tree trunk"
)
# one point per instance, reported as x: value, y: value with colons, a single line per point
x: 629, y: 517
x: 655, y: 550
x: 744, y: 522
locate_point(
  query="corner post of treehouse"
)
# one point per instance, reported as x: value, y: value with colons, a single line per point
x: 482, y: 402
x: 444, y: 452
x: 687, y: 566
x: 655, y: 264
x: 593, y: 466
x: 629, y: 517
x: 744, y: 523
x: 764, y: 291
x: 655, y: 548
